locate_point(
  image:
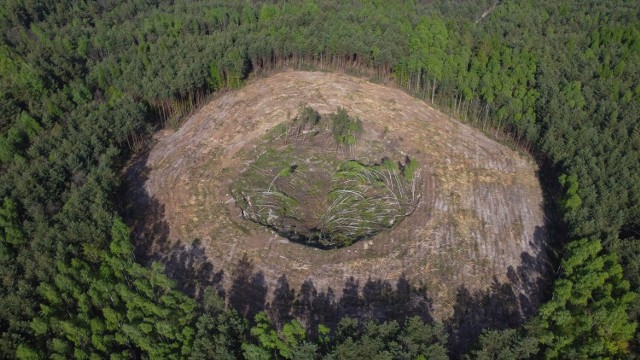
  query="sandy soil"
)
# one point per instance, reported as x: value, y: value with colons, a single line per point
x: 481, y: 211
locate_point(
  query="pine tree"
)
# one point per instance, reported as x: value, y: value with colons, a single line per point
x: 587, y: 316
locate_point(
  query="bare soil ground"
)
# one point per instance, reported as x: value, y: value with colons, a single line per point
x: 479, y: 219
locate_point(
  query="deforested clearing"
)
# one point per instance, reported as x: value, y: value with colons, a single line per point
x: 479, y: 222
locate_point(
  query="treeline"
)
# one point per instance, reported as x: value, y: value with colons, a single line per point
x: 110, y: 306
x: 84, y: 83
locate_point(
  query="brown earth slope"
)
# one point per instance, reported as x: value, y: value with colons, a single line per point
x: 479, y: 219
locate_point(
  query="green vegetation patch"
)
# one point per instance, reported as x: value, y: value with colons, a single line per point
x: 324, y: 199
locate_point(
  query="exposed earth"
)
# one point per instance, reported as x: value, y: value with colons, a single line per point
x: 479, y: 220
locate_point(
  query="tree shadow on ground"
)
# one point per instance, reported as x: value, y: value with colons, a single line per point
x: 187, y: 265
x: 502, y: 305
x: 378, y: 300
x: 248, y: 291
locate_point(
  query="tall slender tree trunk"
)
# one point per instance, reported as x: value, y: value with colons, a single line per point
x: 433, y: 90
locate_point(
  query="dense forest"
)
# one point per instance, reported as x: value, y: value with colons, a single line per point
x: 84, y: 85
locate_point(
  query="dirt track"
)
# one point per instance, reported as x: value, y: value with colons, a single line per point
x: 481, y: 215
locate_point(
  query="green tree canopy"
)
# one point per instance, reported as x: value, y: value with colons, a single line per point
x: 587, y: 315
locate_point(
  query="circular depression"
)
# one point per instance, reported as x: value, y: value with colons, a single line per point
x: 480, y: 221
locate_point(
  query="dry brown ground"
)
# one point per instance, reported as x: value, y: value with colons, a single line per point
x: 480, y: 215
